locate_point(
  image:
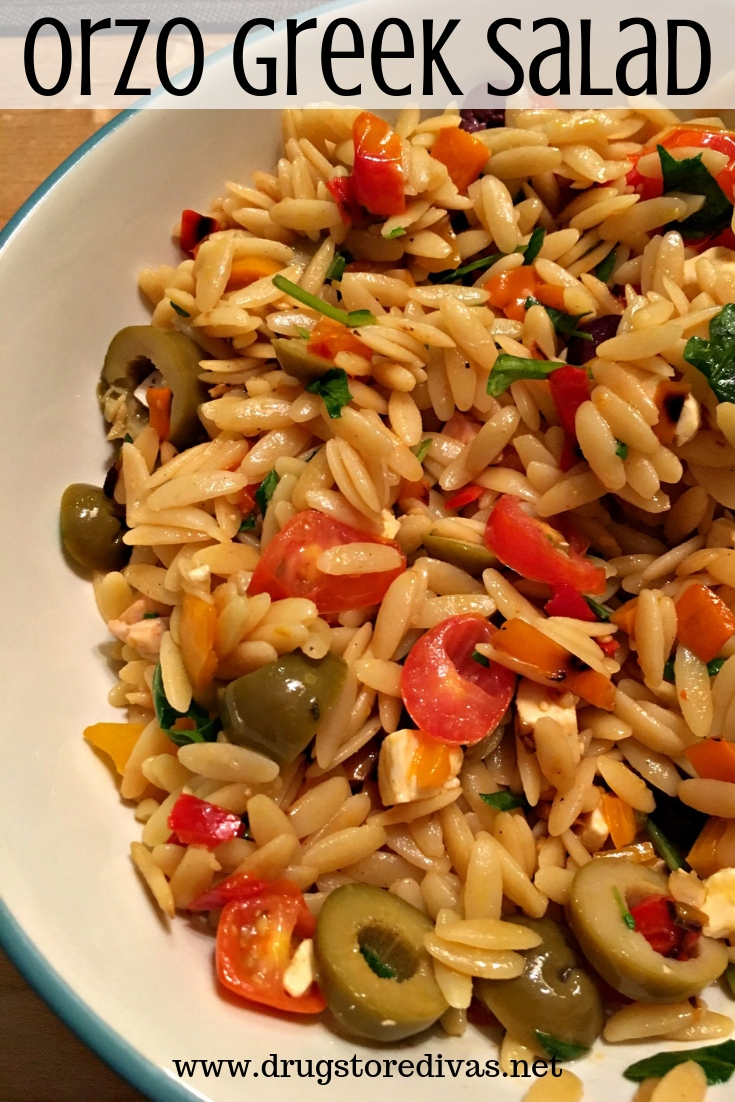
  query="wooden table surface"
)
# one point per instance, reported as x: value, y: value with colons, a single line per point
x: 40, y: 1059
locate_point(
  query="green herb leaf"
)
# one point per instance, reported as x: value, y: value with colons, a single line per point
x: 604, y: 269
x: 205, y: 729
x: 179, y: 311
x: 599, y: 610
x: 337, y: 268
x: 509, y: 369
x: 266, y: 490
x: 730, y: 978
x: 303, y: 333
x: 127, y: 438
x: 397, y: 231
x: 663, y: 846
x: 669, y: 671
x: 380, y: 967
x: 564, y: 324
x: 354, y: 318
x: 151, y: 615
x: 716, y: 1061
x: 248, y: 524
x: 714, y: 667
x: 333, y: 388
x: 533, y: 248
x: 481, y: 659
x: 715, y: 358
x: 692, y: 178
x: 555, y: 1047
x: 621, y: 449
x: 421, y: 450
x: 501, y: 801
x: 625, y: 914
x: 456, y: 274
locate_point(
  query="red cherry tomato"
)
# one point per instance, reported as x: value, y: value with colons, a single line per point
x: 570, y: 387
x: 255, y: 944
x: 288, y: 566
x: 688, y: 135
x: 378, y: 182
x: 537, y: 551
x: 566, y: 601
x: 449, y: 694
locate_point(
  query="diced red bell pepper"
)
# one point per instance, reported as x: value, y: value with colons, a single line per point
x: 465, y: 496
x: 570, y: 387
x: 568, y: 602
x: 344, y: 196
x: 655, y: 918
x: 608, y: 646
x: 378, y: 182
x: 198, y: 823
x: 194, y: 228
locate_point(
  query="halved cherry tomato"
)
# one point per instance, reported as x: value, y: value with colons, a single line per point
x: 377, y: 176
x: 194, y: 228
x: 288, y: 566
x: 255, y: 944
x: 450, y: 695
x: 537, y: 551
x: 328, y: 337
x: 344, y: 196
x: 509, y: 290
x: 568, y: 602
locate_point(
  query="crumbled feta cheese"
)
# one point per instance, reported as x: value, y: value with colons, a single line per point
x: 408, y: 760
x: 689, y: 420
x: 391, y: 524
x: 301, y: 971
x: 719, y: 904
x: 534, y: 702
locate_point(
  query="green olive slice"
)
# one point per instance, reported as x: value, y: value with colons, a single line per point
x: 92, y: 529
x: 472, y: 557
x: 622, y: 956
x: 554, y: 995
x: 372, y: 966
x: 138, y: 349
x: 297, y: 361
x: 275, y: 710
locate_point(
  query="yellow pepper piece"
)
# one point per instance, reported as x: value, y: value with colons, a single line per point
x: 115, y: 739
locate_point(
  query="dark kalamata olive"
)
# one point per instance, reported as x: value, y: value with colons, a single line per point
x: 481, y: 118
x: 579, y: 350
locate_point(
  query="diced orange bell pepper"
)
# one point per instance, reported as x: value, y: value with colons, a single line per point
x: 703, y: 855
x: 509, y: 290
x: 115, y: 739
x: 620, y: 819
x: 159, y: 400
x: 197, y: 635
x: 329, y: 337
x: 463, y: 154
x: 548, y: 663
x: 378, y: 180
x: 251, y: 268
x: 624, y: 617
x: 713, y: 758
x: 431, y: 761
x: 704, y: 622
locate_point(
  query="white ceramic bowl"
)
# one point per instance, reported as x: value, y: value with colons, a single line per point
x: 76, y: 918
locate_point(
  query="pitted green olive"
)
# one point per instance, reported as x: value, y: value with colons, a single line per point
x: 622, y: 956
x: 139, y: 349
x: 372, y: 966
x: 554, y: 995
x: 297, y: 361
x: 472, y: 557
x: 275, y: 710
x: 92, y: 529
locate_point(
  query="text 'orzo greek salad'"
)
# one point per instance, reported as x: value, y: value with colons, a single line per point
x: 418, y: 548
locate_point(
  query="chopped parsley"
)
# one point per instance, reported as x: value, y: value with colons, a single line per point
x: 333, y: 388
x: 151, y: 615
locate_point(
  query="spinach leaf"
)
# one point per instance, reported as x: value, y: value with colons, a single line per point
x: 530, y: 253
x: 621, y: 449
x: 509, y: 369
x: 562, y: 1050
x: 501, y: 801
x: 715, y: 358
x: 716, y: 1061
x: 481, y: 659
x: 533, y: 248
x: 266, y: 490
x: 599, y: 610
x: 333, y: 388
x: 248, y: 523
x: 692, y: 178
x: 179, y: 310
x: 604, y: 269
x: 194, y: 725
